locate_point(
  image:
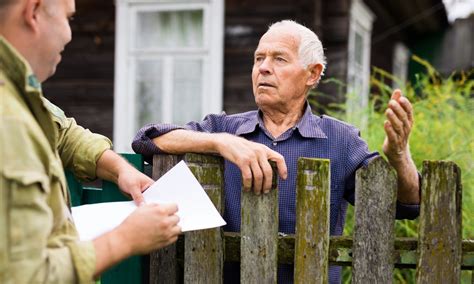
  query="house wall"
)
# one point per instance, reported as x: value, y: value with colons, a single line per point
x: 83, y: 83
x: 457, y: 48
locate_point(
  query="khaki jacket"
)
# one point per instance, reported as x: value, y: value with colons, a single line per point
x: 38, y: 240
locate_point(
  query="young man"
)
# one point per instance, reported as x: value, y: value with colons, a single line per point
x: 38, y: 240
x: 288, y: 62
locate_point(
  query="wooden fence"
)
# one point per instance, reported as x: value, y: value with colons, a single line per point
x: 438, y: 254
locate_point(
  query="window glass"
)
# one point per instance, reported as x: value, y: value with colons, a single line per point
x: 148, y: 92
x: 168, y: 29
x: 187, y: 86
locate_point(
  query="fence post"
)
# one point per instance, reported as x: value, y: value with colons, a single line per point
x: 374, y: 235
x: 204, y: 249
x: 259, y: 235
x: 163, y: 262
x: 439, y: 240
x: 312, y: 221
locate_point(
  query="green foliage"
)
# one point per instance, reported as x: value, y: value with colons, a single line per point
x: 443, y: 130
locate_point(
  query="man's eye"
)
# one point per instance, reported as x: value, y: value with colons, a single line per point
x: 258, y: 59
x: 280, y: 59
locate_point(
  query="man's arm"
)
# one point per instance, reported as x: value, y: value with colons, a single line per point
x: 251, y: 158
x: 397, y: 128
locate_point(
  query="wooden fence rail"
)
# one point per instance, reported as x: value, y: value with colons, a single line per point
x: 439, y: 254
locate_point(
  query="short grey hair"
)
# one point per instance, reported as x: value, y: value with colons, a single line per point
x: 310, y: 49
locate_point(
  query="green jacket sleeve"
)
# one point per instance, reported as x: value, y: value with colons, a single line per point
x: 79, y: 148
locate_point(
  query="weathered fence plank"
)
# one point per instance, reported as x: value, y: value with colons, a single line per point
x: 312, y: 221
x: 375, y: 204
x: 259, y: 236
x: 440, y: 224
x: 204, y: 255
x: 163, y: 263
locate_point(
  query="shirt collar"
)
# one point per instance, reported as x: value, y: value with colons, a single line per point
x: 308, y: 125
x: 16, y: 68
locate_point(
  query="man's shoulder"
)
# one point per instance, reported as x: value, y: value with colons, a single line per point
x: 12, y: 105
x: 233, y: 118
x: 243, y: 115
x: 333, y: 124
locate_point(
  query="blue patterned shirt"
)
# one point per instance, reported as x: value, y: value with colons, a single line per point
x: 313, y: 136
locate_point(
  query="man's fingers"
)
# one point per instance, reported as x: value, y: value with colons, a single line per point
x: 246, y: 177
x: 396, y: 124
x: 406, y: 105
x: 391, y: 134
x: 168, y: 208
x: 137, y: 197
x: 267, y: 175
x: 396, y: 95
x: 257, y: 177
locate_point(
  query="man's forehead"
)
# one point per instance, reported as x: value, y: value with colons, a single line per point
x: 277, y: 41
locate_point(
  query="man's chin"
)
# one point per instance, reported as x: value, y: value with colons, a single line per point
x: 46, y: 76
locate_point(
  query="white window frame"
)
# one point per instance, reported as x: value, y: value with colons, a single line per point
x: 361, y: 20
x: 401, y: 57
x: 126, y: 54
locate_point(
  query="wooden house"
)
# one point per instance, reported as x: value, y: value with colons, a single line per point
x: 133, y: 62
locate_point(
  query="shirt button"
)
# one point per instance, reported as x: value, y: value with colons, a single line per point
x: 274, y: 143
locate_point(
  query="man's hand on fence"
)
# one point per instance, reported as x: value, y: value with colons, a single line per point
x: 252, y: 159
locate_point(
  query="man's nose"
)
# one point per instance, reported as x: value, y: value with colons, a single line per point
x: 265, y: 67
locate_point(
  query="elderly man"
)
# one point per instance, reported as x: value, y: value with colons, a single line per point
x: 288, y: 62
x: 38, y: 240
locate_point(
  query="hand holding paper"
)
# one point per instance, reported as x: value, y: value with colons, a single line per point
x: 178, y: 185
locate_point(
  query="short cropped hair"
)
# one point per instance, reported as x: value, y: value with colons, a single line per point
x: 310, y: 49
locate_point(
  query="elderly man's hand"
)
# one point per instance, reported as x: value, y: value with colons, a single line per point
x: 133, y: 182
x: 397, y: 128
x: 252, y: 159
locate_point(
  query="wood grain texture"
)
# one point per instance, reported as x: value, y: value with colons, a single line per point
x: 163, y: 262
x: 204, y: 249
x: 312, y: 221
x: 374, y: 235
x: 259, y: 236
x: 439, y: 238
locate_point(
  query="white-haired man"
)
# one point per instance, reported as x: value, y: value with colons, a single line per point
x: 38, y: 240
x: 288, y: 62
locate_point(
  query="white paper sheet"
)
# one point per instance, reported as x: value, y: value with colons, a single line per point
x: 178, y: 185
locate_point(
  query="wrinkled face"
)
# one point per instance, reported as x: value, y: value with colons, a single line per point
x: 278, y: 77
x: 54, y: 34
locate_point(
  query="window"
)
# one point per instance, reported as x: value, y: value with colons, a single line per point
x: 358, y: 71
x: 168, y: 64
x: 401, y: 56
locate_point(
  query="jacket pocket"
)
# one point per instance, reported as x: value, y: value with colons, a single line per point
x: 29, y: 214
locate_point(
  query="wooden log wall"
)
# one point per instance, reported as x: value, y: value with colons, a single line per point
x: 83, y: 85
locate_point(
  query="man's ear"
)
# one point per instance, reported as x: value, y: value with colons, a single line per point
x: 315, y: 73
x: 31, y: 13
